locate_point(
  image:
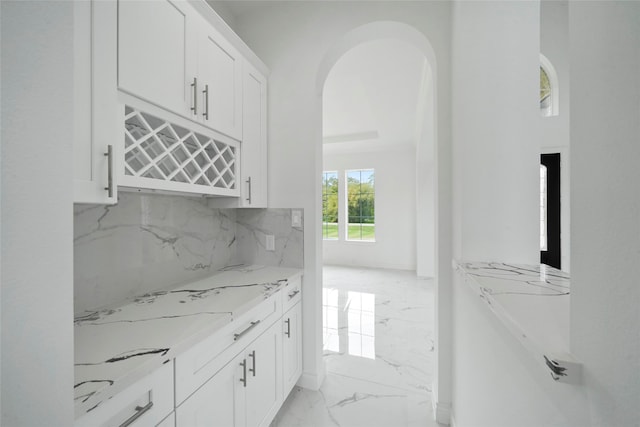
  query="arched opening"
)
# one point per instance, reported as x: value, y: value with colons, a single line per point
x: 549, y: 90
x: 425, y: 136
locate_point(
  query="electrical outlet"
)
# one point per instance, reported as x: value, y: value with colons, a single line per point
x: 270, y: 242
x: 296, y: 218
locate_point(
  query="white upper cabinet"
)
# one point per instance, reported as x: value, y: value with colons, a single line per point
x: 154, y: 52
x: 254, y: 143
x: 220, y: 82
x: 171, y: 56
x: 96, y: 138
x: 159, y: 103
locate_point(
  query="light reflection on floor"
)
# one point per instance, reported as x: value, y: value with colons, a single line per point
x: 378, y: 352
x: 357, y: 317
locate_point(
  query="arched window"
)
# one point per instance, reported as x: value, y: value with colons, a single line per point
x: 548, y: 88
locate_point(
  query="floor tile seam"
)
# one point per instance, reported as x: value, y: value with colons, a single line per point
x: 411, y: 391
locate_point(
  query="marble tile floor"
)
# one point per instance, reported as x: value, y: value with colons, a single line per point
x: 378, y: 352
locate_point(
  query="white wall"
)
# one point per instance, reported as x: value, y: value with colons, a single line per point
x: 395, y: 210
x: 554, y: 137
x: 292, y: 38
x: 605, y: 216
x: 37, y: 217
x: 496, y: 382
x: 495, y: 128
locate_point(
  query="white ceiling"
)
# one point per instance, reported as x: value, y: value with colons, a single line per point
x: 371, y: 95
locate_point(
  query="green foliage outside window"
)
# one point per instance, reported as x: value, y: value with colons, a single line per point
x: 330, y: 205
x: 545, y: 86
x: 361, y: 204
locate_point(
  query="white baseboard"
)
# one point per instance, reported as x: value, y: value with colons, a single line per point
x: 441, y: 412
x: 311, y: 381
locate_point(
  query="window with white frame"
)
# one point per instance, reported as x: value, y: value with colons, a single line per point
x: 361, y: 204
x: 549, y: 90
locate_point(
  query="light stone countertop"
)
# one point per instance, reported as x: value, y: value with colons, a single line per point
x: 532, y: 301
x: 117, y: 346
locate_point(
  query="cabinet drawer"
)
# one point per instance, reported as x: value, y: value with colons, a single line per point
x: 145, y: 403
x: 195, y: 366
x: 292, y: 293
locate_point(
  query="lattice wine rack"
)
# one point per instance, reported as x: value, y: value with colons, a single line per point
x: 166, y: 156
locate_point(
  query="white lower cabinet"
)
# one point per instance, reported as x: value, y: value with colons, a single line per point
x: 237, y: 377
x: 213, y: 404
x: 261, y: 391
x: 170, y: 421
x: 291, y: 348
x: 247, y: 392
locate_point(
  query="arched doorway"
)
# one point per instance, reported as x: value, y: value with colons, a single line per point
x: 432, y: 250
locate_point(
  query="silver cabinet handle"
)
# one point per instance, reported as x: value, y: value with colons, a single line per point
x: 194, y: 85
x: 288, y: 333
x: 294, y: 293
x: 236, y: 337
x: 140, y: 410
x: 243, y: 380
x: 253, y: 358
x: 205, y: 92
x: 249, y: 182
x: 109, y: 155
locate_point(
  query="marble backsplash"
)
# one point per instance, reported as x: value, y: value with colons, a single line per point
x: 252, y: 227
x: 149, y: 242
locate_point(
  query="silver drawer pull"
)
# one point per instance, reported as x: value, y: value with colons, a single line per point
x: 140, y: 410
x: 294, y: 293
x: 236, y: 337
x: 288, y: 333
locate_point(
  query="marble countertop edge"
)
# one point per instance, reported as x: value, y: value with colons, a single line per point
x: 549, y: 348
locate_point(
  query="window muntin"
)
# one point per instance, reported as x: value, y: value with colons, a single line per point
x: 361, y: 204
x: 330, y: 205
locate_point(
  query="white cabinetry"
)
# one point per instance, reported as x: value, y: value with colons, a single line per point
x: 292, y: 335
x: 291, y: 348
x: 96, y: 120
x: 147, y: 402
x: 155, y: 57
x: 260, y: 390
x: 214, y: 403
x: 247, y: 392
x: 170, y: 56
x: 159, y: 104
x: 254, y: 144
x: 220, y: 82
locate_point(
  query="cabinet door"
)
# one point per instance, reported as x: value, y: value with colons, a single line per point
x: 254, y: 138
x: 154, y: 60
x: 263, y: 393
x: 220, y: 83
x: 96, y: 118
x: 213, y: 403
x: 291, y: 348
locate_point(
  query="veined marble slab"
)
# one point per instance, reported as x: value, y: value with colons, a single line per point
x: 533, y: 303
x: 116, y: 346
